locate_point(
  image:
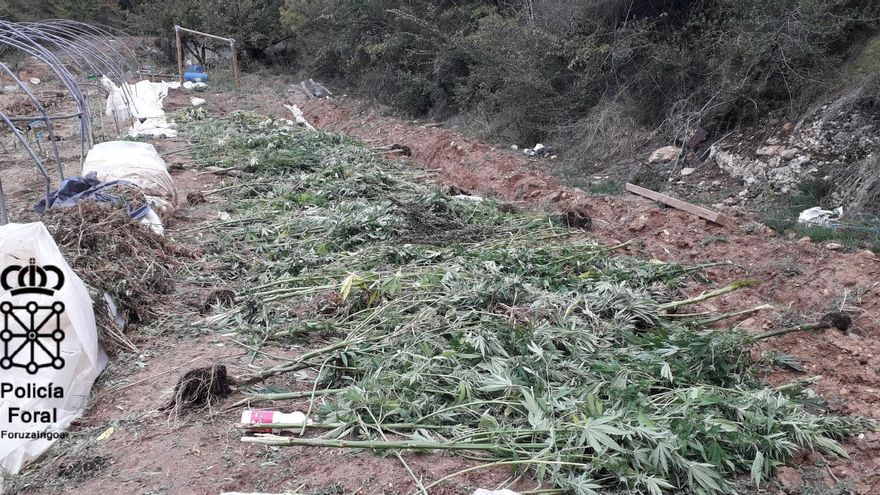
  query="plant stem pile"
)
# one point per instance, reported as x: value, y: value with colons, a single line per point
x: 506, y: 337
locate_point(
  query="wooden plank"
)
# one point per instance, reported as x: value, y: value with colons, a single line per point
x: 321, y: 87
x: 712, y: 216
x: 193, y: 31
x: 306, y: 90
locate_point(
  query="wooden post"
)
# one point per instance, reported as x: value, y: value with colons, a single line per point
x: 179, y: 53
x: 235, y: 65
x: 231, y: 41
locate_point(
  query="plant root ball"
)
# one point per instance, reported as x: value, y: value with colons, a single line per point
x: 222, y: 297
x: 508, y: 208
x: 195, y: 198
x: 575, y: 219
x: 405, y: 150
x: 457, y: 191
x: 838, y: 320
x: 199, y: 387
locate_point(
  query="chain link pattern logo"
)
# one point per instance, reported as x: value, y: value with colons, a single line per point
x: 31, y: 334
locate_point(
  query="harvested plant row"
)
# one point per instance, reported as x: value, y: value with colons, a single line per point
x: 454, y: 323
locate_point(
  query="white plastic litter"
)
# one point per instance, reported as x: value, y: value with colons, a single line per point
x: 159, y: 127
x: 818, y: 216
x: 117, y: 317
x: 35, y: 80
x: 138, y: 163
x: 153, y: 221
x: 143, y: 102
x: 191, y: 85
x: 82, y: 357
x: 468, y: 197
x: 298, y: 115
x: 538, y: 150
x: 197, y: 102
x: 268, y: 417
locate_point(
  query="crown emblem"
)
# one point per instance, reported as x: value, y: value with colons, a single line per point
x: 31, y: 279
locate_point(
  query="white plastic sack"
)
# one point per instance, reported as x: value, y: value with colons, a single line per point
x: 62, y: 353
x: 142, y: 100
x: 138, y: 163
x: 818, y: 216
x: 152, y: 220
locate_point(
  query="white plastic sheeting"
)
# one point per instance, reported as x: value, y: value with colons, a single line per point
x: 142, y: 102
x: 81, y: 357
x: 135, y: 162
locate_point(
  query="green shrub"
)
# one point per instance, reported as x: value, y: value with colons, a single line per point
x: 600, y: 78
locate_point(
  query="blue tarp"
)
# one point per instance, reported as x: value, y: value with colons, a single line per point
x: 80, y: 188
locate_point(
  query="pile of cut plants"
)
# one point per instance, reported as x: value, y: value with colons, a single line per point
x: 122, y: 263
x: 454, y: 323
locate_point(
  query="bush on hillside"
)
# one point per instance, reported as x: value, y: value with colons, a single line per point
x: 544, y: 69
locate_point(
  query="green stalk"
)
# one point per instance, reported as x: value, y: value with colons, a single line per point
x: 250, y: 399
x: 371, y: 444
x: 491, y: 465
x: 222, y: 224
x: 803, y: 383
x: 301, y: 362
x: 783, y: 331
x: 297, y: 364
x: 333, y: 426
x: 709, y: 295
x: 734, y: 314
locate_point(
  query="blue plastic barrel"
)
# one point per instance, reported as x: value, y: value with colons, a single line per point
x: 195, y: 73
